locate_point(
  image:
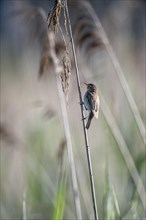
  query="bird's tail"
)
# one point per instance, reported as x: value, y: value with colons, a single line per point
x: 89, y: 119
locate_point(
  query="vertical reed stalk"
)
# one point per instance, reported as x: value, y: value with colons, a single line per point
x: 57, y: 68
x: 83, y: 116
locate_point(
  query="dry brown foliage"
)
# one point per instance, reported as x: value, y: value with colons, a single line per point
x: 61, y: 150
x: 66, y: 73
x: 53, y: 16
x: 86, y: 34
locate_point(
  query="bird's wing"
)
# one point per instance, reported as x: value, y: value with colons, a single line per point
x: 96, y: 111
x: 90, y: 102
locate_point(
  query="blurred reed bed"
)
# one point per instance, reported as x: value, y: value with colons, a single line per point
x: 35, y: 179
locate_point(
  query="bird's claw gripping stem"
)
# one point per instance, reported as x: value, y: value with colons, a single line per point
x: 84, y: 118
x: 81, y: 103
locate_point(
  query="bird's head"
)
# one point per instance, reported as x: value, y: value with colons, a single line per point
x: 91, y: 87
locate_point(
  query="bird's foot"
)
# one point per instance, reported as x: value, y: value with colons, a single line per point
x: 84, y: 118
x: 81, y: 103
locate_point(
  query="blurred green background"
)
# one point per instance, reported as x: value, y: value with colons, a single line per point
x: 35, y: 174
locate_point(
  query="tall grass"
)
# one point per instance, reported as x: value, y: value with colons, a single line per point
x: 41, y: 132
x: 118, y: 71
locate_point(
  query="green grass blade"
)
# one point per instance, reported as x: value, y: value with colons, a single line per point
x: 124, y: 150
x: 111, y: 206
x: 60, y: 199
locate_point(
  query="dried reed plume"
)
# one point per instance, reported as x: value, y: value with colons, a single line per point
x: 54, y: 15
x: 85, y: 33
x: 66, y: 73
x: 45, y: 60
x: 53, y: 20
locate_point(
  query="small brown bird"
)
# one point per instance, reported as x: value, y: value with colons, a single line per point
x: 91, y: 102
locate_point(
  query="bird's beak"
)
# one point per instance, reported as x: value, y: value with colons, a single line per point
x: 86, y: 84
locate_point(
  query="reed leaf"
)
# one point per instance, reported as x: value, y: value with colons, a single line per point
x: 60, y: 199
x: 118, y: 70
x: 111, y: 206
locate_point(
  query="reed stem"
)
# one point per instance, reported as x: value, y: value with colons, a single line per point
x: 83, y: 116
